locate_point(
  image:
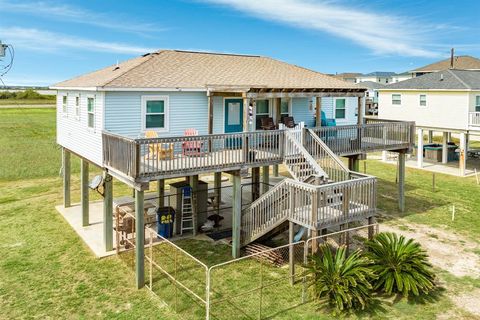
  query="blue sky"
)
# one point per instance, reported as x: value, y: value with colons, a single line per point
x: 56, y: 40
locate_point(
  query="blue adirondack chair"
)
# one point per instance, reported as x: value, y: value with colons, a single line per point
x: 328, y: 123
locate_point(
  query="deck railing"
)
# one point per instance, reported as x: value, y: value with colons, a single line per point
x: 311, y: 206
x: 180, y: 156
x: 376, y: 135
x: 474, y: 119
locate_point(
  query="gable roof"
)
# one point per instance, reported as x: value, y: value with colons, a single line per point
x: 345, y: 75
x: 449, y: 79
x: 201, y: 70
x: 370, y: 85
x: 459, y: 62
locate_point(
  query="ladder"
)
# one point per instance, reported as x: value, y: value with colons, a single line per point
x: 187, y: 210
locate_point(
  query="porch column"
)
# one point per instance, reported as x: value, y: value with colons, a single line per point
x: 430, y: 136
x: 139, y: 239
x: 107, y: 211
x: 318, y: 111
x: 354, y: 163
x: 66, y: 177
x: 210, y: 118
x: 255, y: 183
x: 275, y: 170
x: 84, y: 192
x: 401, y: 181
x: 237, y: 213
x: 217, y: 186
x: 420, y: 148
x: 360, y: 111
x: 277, y: 110
x: 194, y: 185
x: 463, y: 153
x: 445, y: 148
x: 291, y: 252
x: 265, y: 178
x: 161, y: 192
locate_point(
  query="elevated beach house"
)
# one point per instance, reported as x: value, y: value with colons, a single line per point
x: 445, y: 101
x: 172, y: 114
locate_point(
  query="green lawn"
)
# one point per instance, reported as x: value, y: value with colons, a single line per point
x: 27, y: 102
x: 47, y: 272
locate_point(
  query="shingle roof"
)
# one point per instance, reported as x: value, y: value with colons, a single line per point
x: 449, y: 79
x: 370, y: 85
x: 379, y: 74
x: 459, y: 62
x: 347, y: 75
x: 186, y: 69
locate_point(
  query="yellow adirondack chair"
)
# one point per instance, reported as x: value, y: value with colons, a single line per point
x: 159, y: 151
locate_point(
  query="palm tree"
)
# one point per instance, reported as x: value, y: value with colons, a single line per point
x: 400, y: 265
x: 342, y: 280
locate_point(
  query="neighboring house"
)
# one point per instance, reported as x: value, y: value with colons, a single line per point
x: 447, y: 101
x: 401, y: 77
x: 348, y: 76
x: 371, y: 96
x: 459, y: 62
x: 377, y: 76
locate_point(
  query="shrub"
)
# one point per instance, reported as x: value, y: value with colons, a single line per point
x: 340, y: 279
x: 401, y: 265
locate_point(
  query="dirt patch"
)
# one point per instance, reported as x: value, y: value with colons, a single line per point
x: 468, y: 301
x: 446, y: 251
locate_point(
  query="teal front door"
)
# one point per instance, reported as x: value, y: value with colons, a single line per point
x: 233, y: 121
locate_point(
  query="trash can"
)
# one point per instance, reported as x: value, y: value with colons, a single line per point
x: 165, y: 218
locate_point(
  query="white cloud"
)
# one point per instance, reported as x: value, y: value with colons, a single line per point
x: 381, y: 33
x: 40, y: 40
x: 74, y: 14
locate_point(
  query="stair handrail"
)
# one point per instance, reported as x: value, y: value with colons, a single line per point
x: 300, y: 149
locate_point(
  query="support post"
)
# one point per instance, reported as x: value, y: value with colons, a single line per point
x: 194, y: 185
x: 401, y: 181
x: 237, y: 213
x: 360, y: 111
x: 445, y: 148
x: 255, y: 183
x: 291, y: 252
x: 275, y: 170
x: 161, y: 192
x: 84, y: 192
x: 371, y: 229
x: 462, y: 158
x: 139, y: 239
x: 420, y: 148
x: 107, y: 211
x: 318, y: 111
x: 430, y: 136
x: 217, y: 185
x: 354, y: 163
x: 66, y: 177
x: 210, y: 119
x: 278, y: 110
x: 265, y: 179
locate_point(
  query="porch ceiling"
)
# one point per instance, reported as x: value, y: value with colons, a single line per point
x: 265, y: 92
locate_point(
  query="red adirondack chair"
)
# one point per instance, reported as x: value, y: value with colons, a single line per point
x: 192, y: 148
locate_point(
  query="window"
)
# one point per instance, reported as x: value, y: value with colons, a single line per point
x: 340, y: 108
x: 477, y: 104
x: 396, y: 99
x: 156, y: 113
x: 77, y: 107
x: 91, y: 112
x: 64, y: 104
x: 423, y: 100
x: 262, y: 111
x: 284, y: 108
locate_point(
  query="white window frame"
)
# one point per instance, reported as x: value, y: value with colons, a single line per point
x: 91, y: 112
x: 420, y: 100
x: 64, y: 104
x: 166, y: 112
x: 477, y: 97
x: 397, y: 104
x: 77, y: 106
x: 270, y: 110
x: 289, y: 102
x: 335, y: 108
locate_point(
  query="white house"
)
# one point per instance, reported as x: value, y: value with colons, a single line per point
x: 377, y: 76
x: 447, y: 101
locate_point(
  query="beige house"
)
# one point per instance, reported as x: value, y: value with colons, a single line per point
x: 445, y: 101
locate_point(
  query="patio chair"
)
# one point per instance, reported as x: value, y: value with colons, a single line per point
x: 268, y: 124
x: 159, y: 151
x: 289, y: 122
x: 191, y: 148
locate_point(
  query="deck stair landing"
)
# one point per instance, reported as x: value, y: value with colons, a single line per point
x: 322, y: 193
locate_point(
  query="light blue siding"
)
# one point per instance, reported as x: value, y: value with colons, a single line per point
x: 351, y: 108
x: 218, y: 119
x: 301, y: 111
x: 123, y: 112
